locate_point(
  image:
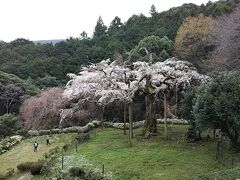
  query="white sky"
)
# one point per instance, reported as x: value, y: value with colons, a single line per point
x: 60, y: 19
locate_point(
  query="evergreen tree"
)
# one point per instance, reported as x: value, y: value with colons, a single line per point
x: 115, y: 25
x: 153, y: 10
x: 100, y: 28
x: 83, y: 35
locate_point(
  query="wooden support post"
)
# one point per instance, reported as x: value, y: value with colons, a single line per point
x: 176, y: 93
x: 76, y: 144
x: 103, y: 169
x: 125, y: 117
x: 130, y: 109
x: 165, y: 116
x: 219, y: 147
x: 62, y: 158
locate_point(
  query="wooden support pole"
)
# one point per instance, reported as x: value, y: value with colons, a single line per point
x: 62, y: 158
x: 125, y: 117
x: 103, y: 169
x: 165, y: 116
x: 130, y: 109
x: 76, y: 144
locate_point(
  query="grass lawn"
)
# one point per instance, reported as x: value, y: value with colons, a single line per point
x: 154, y: 158
x: 24, y: 151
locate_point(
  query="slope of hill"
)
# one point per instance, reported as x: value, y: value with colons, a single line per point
x: 6, y: 78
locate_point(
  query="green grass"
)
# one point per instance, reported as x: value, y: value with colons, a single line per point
x: 24, y: 151
x: 155, y: 158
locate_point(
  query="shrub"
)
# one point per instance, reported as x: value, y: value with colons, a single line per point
x: 26, y: 166
x: 228, y: 174
x: 217, y: 105
x: 36, y: 167
x: 56, y: 131
x: 33, y: 167
x: 191, y: 135
x: 10, y: 172
x: 33, y: 133
x: 23, y: 132
x: 8, y: 124
x: 44, y: 132
x: 77, y: 172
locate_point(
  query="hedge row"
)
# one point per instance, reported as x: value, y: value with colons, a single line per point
x: 73, y: 129
x: 33, y: 167
x: 95, y: 124
x: 141, y: 123
x: 7, y: 143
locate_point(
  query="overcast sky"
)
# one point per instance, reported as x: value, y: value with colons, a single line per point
x: 60, y: 19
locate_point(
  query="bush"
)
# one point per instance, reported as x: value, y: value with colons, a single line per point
x: 228, y: 174
x: 217, y: 105
x: 33, y: 167
x: 94, y: 174
x: 8, y: 124
x: 10, y: 172
x: 23, y: 132
x: 191, y: 135
x: 33, y: 133
x: 44, y: 132
x: 36, y: 167
x: 77, y: 172
x: 56, y: 131
x: 7, y: 143
x: 26, y: 166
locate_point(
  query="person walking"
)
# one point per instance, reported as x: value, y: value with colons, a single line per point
x: 35, y: 146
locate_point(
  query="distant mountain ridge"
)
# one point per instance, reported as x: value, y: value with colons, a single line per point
x: 50, y: 41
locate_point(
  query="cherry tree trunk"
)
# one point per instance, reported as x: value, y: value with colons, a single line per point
x: 101, y: 116
x: 150, y: 125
